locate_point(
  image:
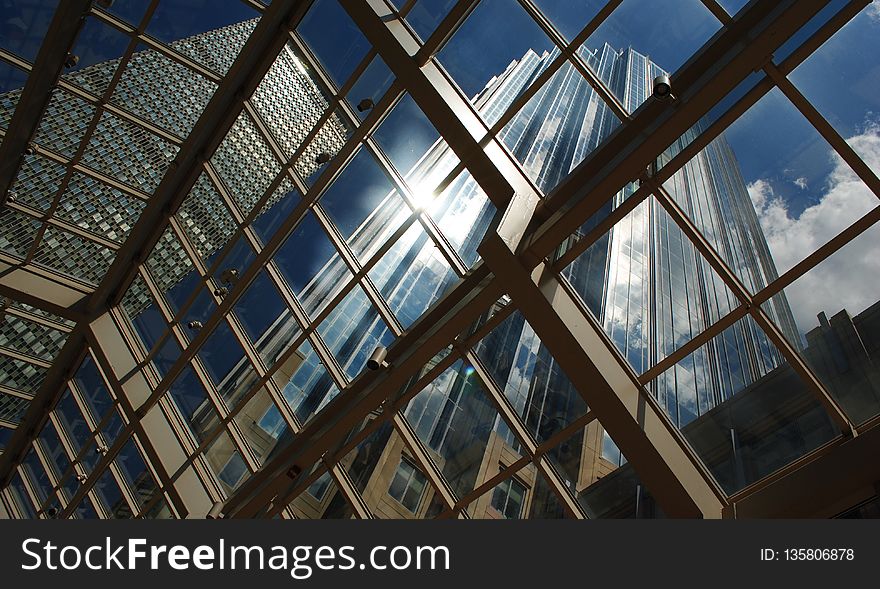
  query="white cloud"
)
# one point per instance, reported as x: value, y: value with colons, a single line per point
x: 801, y: 183
x: 849, y: 279
x: 873, y: 11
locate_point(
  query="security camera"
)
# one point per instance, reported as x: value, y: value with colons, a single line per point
x: 365, y: 105
x: 377, y: 358
x: 229, y: 276
x: 71, y: 61
x: 662, y: 87
x: 216, y: 511
x: 31, y: 149
x: 51, y: 513
x: 322, y: 158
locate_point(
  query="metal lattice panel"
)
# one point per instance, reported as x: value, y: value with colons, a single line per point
x: 21, y: 376
x: 72, y: 255
x: 30, y: 338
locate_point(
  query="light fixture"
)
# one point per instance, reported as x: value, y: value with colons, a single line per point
x: 377, y: 358
x: 365, y: 104
x: 216, y: 511
x: 662, y: 87
x: 229, y: 276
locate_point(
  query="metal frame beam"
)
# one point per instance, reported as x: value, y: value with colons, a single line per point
x: 611, y: 390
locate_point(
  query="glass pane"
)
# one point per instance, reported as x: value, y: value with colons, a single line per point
x: 405, y: 135
x: 454, y: 418
x: 52, y: 449
x: 836, y: 306
x: 128, y: 153
x: 307, y: 381
x: 172, y: 270
x: 258, y: 423
x: 648, y: 286
x: 245, y: 163
x: 529, y: 377
x: 290, y: 99
x: 12, y: 80
x: 36, y: 475
x: 570, y: 16
x: 472, y: 62
x: 234, y: 263
x: 427, y: 14
x: 205, y: 219
x: 334, y: 39
x: 24, y: 25
x: 98, y: 47
x: 265, y: 318
x: 92, y: 388
x: 131, y: 11
x: 144, y: 90
x: 802, y: 192
x: 21, y: 498
x: 558, y: 127
x: 619, y: 494
x: 134, y: 471
x: 840, y: 79
x: 111, y: 496
x: 192, y: 401
x: 412, y: 275
x: 311, y: 265
x: 225, y: 361
x: 99, y: 208
x: 323, y: 500
x: 64, y: 123
x: 749, y: 416
x: 198, y: 313
x: 277, y: 210
x: 72, y: 422
x: 363, y: 205
x: 226, y: 463
x: 371, y: 85
x: 328, y: 141
x: 463, y: 213
x: 74, y: 256
x: 352, y: 330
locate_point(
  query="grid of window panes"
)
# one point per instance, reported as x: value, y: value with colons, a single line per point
x: 325, y: 239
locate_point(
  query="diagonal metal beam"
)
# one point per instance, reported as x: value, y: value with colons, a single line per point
x: 610, y: 389
x: 409, y: 354
x: 451, y: 113
x: 38, y: 89
x: 716, y: 70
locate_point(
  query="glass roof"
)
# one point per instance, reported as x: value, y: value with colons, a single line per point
x: 329, y: 217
